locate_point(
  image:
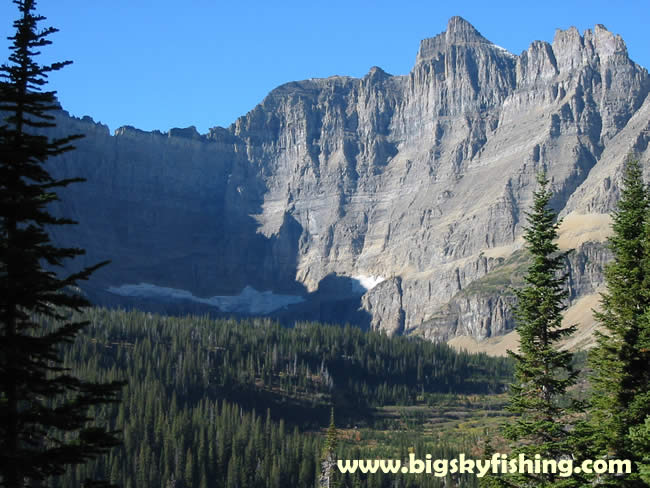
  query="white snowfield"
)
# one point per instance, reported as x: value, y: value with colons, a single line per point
x: 365, y: 283
x: 500, y: 48
x: 249, y: 301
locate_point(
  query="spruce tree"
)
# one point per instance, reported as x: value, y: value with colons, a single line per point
x: 640, y: 441
x: 328, y: 477
x: 621, y: 358
x: 44, y: 424
x: 542, y: 371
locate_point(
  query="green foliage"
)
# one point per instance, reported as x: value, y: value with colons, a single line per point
x: 329, y: 475
x: 179, y: 410
x: 331, y: 440
x: 543, y: 373
x: 621, y: 359
x: 640, y: 441
x: 257, y: 361
x: 45, y: 412
x: 506, y: 275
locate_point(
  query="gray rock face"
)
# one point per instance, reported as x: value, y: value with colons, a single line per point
x: 385, y: 306
x: 485, y: 307
x: 419, y: 179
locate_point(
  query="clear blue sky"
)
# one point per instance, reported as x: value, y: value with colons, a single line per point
x: 169, y: 63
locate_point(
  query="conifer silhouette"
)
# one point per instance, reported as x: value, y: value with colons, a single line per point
x: 44, y: 420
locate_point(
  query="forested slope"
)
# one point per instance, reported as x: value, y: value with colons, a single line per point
x: 214, y: 403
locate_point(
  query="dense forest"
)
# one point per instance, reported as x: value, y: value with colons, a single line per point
x: 215, y: 403
x: 143, y: 400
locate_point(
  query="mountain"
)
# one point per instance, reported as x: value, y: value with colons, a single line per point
x: 393, y: 202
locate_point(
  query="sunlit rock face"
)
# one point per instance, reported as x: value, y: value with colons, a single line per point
x: 401, y: 190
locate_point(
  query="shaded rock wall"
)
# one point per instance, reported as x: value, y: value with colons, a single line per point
x: 418, y: 179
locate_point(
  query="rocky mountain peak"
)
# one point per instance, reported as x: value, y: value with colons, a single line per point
x: 376, y: 74
x: 606, y: 43
x: 597, y: 44
x: 185, y: 133
x: 400, y: 198
x: 459, y: 30
x: 459, y: 33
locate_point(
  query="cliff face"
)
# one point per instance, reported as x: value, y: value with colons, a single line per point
x: 417, y: 184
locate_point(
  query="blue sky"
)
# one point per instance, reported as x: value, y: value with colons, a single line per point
x: 162, y: 64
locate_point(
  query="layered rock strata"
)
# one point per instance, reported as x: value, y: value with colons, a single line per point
x: 420, y: 181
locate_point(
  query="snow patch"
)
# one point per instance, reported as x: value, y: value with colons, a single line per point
x: 365, y: 283
x: 249, y: 301
x: 503, y: 49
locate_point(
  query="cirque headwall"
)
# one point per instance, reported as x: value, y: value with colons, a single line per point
x: 396, y: 202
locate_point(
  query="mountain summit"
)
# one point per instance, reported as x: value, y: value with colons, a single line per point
x: 393, y: 202
x: 459, y: 33
x: 459, y: 30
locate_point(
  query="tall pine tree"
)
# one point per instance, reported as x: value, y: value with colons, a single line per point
x: 44, y: 421
x: 542, y: 371
x: 621, y: 358
x: 329, y: 478
x: 640, y: 441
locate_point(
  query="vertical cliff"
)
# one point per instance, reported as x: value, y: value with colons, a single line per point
x: 407, y: 189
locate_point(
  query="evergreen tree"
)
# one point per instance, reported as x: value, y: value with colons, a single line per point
x: 328, y: 464
x: 331, y: 440
x: 542, y: 372
x: 44, y: 421
x: 640, y: 441
x: 490, y: 480
x: 621, y: 358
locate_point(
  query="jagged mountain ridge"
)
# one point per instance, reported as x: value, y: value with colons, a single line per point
x: 420, y: 180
